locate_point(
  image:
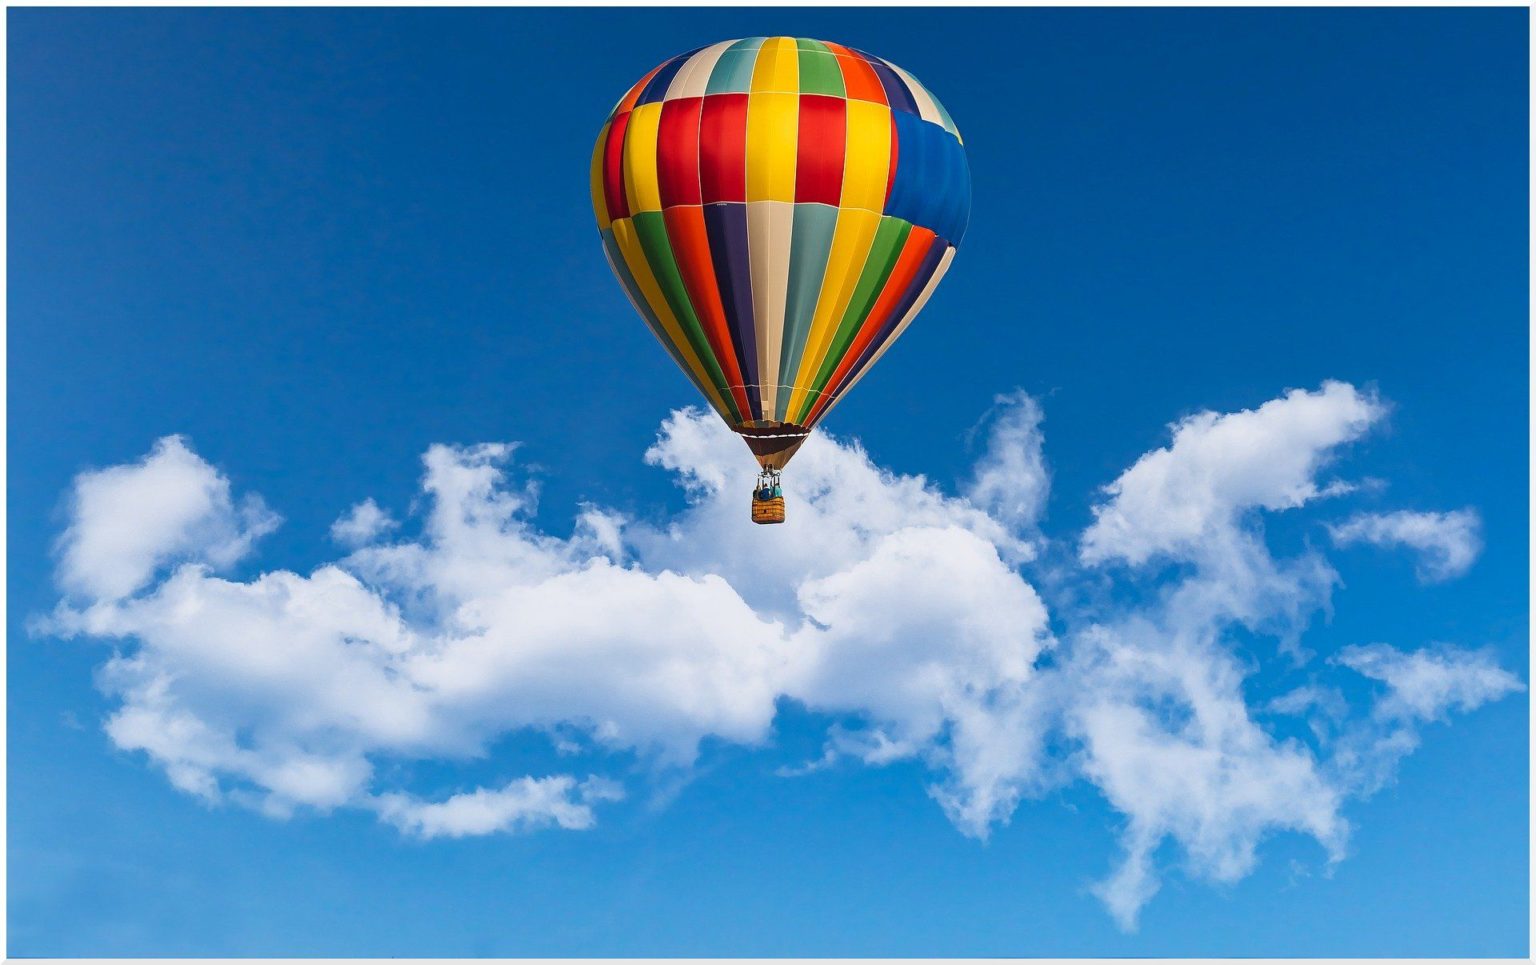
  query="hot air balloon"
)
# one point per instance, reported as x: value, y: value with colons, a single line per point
x: 779, y: 210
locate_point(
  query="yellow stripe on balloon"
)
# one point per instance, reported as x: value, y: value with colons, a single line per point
x: 634, y: 257
x: 851, y: 241
x: 778, y: 66
x: 640, y: 181
x: 599, y: 203
x: 867, y: 157
x: 773, y: 122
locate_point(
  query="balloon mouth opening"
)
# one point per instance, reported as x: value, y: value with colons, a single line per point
x: 773, y: 444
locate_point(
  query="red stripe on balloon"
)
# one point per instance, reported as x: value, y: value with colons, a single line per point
x: 677, y: 152
x: 723, y: 148
x: 819, y: 158
x: 690, y: 247
x: 613, y: 169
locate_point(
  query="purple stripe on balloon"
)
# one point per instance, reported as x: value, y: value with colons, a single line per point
x: 726, y: 225
x: 896, y: 92
x: 656, y: 89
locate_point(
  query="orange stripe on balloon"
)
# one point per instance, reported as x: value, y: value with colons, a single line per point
x: 919, y: 240
x: 860, y: 79
x: 690, y: 246
x: 630, y: 99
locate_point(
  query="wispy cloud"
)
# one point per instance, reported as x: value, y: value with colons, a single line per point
x: 524, y: 804
x: 1011, y: 480
x: 1446, y: 543
x: 1186, y: 499
x: 1159, y: 707
x: 899, y: 610
x: 1424, y: 685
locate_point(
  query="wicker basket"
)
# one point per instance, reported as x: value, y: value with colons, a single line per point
x: 768, y: 510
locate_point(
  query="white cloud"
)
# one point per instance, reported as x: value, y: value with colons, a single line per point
x: 1424, y: 684
x: 524, y: 804
x: 1418, y: 687
x: 897, y: 610
x: 1011, y: 481
x: 1447, y: 543
x: 932, y: 633
x: 128, y: 521
x: 1168, y: 737
x: 362, y: 524
x: 1175, y: 500
x: 285, y: 689
x: 843, y: 506
x: 1165, y: 727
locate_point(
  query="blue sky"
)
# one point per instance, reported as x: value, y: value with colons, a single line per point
x: 318, y: 243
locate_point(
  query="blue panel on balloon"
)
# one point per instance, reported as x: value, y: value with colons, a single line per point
x: 933, y: 183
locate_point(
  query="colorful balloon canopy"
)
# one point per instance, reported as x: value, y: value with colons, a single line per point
x: 779, y: 210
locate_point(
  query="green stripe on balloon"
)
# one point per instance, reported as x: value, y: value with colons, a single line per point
x: 651, y: 229
x: 810, y: 243
x: 819, y: 73
x: 889, y: 239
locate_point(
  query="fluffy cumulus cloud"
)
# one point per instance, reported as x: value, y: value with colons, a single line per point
x: 128, y: 521
x: 908, y: 616
x: 1446, y: 543
x: 362, y: 524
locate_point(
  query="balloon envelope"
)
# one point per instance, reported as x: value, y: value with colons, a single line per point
x: 779, y: 210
